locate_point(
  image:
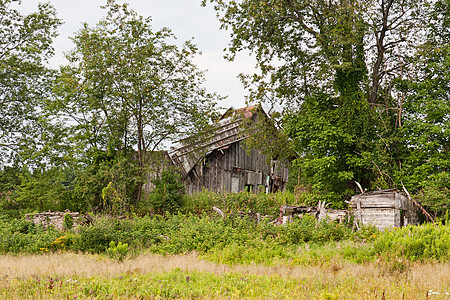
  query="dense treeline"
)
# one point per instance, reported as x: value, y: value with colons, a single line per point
x: 82, y: 137
x: 364, y: 87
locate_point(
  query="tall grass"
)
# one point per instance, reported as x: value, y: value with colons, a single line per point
x: 425, y: 242
x: 74, y: 276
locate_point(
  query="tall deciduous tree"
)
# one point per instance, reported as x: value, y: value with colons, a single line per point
x: 334, y: 65
x: 426, y: 114
x: 25, y: 44
x: 128, y: 88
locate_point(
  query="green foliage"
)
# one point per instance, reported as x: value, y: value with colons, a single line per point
x: 60, y: 244
x: 367, y: 234
x: 265, y: 204
x: 9, y: 181
x: 235, y: 240
x: 364, y: 87
x: 19, y: 236
x: 119, y: 171
x: 331, y: 136
x: 436, y: 197
x: 40, y: 190
x: 425, y: 242
x: 117, y: 252
x: 426, y: 131
x: 96, y: 238
x: 168, y: 193
x: 127, y: 87
x: 357, y: 252
x: 112, y: 202
x: 25, y: 45
x: 321, y: 282
x: 68, y: 221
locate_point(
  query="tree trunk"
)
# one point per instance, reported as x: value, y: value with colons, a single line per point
x: 141, y: 153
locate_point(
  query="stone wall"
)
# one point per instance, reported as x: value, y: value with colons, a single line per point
x: 55, y: 219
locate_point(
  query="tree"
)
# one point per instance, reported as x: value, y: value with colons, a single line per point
x: 426, y: 115
x: 25, y: 44
x: 127, y: 88
x: 333, y: 65
x: 40, y: 190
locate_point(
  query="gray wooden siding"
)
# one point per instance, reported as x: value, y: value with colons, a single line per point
x: 384, y: 209
x: 232, y: 168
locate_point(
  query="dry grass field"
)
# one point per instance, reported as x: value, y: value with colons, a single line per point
x: 76, y: 276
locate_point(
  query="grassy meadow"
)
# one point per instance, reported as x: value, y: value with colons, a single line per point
x: 195, y: 253
x: 82, y: 276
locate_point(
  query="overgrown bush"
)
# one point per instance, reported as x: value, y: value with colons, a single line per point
x: 233, y: 239
x: 68, y: 221
x: 117, y: 252
x: 265, y: 204
x: 167, y: 195
x: 97, y: 237
x: 428, y: 241
x: 20, y: 236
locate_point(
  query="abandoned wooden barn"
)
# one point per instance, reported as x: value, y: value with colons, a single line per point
x: 383, y: 209
x: 224, y: 164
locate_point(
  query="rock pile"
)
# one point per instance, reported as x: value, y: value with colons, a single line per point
x: 55, y: 219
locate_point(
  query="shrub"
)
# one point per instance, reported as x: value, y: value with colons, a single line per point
x: 428, y: 241
x: 61, y: 243
x: 96, y: 238
x: 331, y: 231
x: 265, y: 204
x: 167, y: 195
x: 357, y: 252
x: 68, y: 221
x: 20, y: 236
x: 367, y: 233
x: 117, y: 252
x: 233, y: 239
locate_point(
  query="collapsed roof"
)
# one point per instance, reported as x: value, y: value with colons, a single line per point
x: 185, y: 155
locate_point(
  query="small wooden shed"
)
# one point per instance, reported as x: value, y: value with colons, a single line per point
x: 383, y: 209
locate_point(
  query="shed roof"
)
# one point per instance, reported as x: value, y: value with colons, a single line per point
x: 390, y: 198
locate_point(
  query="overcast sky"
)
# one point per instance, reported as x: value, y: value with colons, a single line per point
x: 186, y: 18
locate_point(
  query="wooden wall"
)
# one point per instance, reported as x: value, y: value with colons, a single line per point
x: 232, y: 168
x: 156, y: 162
x: 384, y: 209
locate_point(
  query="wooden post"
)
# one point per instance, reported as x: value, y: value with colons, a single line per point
x: 358, y: 207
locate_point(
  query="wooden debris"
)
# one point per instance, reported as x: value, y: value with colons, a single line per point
x: 320, y: 212
x: 360, y: 187
x: 418, y: 205
x: 89, y: 218
x: 220, y: 212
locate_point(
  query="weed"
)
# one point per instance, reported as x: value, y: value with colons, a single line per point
x: 117, y: 252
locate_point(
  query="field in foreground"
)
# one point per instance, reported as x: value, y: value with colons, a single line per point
x: 77, y: 276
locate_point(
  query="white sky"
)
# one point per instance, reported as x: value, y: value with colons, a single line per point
x: 186, y: 18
